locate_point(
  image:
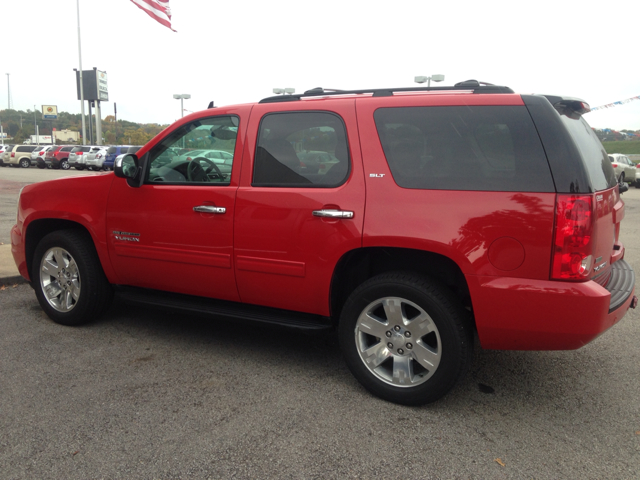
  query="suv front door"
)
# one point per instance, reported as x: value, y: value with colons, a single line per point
x: 175, y: 232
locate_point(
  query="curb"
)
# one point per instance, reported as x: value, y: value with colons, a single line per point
x: 13, y: 280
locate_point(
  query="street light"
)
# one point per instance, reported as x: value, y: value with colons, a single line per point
x: 182, y: 97
x: 435, y: 78
x: 282, y: 91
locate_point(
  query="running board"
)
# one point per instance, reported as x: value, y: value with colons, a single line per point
x: 223, y: 308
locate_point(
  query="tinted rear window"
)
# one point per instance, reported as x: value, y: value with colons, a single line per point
x: 112, y: 149
x: 26, y: 149
x: 67, y: 149
x: 594, y: 156
x: 492, y: 148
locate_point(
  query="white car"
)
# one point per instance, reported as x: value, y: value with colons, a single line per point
x: 94, y: 160
x: 40, y: 152
x: 624, y: 168
x: 76, y: 156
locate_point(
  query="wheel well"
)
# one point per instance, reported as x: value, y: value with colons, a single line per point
x: 38, y: 229
x: 359, y: 265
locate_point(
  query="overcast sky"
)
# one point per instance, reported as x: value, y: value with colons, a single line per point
x: 238, y: 51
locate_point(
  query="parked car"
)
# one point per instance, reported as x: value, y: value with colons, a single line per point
x: 3, y: 149
x: 58, y: 158
x: 38, y: 155
x: 112, y: 153
x: 468, y: 212
x: 94, y: 160
x: 76, y: 156
x: 19, y: 156
x: 624, y: 168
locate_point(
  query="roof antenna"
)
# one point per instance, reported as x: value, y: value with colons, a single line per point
x: 211, y: 104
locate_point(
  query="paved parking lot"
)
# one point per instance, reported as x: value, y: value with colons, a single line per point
x: 148, y: 394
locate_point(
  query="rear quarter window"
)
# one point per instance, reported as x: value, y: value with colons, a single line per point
x: 490, y: 148
x: 594, y: 157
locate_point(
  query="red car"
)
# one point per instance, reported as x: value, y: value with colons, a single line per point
x: 58, y: 157
x: 441, y: 212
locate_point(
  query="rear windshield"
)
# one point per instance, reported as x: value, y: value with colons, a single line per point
x: 112, y: 149
x: 592, y: 152
x: 492, y: 148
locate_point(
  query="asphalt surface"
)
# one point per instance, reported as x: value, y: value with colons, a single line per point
x: 148, y: 394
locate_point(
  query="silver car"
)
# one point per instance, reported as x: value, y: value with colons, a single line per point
x: 624, y: 168
x: 95, y: 158
x: 76, y: 156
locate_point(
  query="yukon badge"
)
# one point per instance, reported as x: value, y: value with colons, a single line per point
x: 126, y: 236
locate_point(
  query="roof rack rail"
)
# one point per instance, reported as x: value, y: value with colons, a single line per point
x: 476, y: 86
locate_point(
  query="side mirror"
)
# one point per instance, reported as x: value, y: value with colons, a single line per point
x: 129, y: 167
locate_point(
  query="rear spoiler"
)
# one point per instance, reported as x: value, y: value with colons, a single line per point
x: 569, y: 106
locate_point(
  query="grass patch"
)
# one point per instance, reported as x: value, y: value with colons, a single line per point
x: 627, y: 147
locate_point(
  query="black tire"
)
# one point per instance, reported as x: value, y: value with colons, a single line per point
x: 64, y: 165
x: 448, y: 344
x: 25, y: 163
x: 41, y: 166
x: 79, y: 167
x: 70, y: 284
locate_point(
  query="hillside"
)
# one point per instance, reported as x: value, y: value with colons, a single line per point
x: 19, y: 124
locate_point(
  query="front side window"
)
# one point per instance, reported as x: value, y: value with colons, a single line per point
x: 187, y: 155
x: 301, y: 149
x: 491, y: 148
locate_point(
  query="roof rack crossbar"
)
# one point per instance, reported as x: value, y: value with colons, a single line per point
x: 477, y: 87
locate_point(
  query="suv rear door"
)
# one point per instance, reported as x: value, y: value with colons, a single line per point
x: 285, y: 250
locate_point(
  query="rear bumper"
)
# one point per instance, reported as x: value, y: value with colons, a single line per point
x: 525, y: 314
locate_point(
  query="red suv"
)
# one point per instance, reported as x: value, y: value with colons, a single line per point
x: 58, y: 157
x: 407, y: 218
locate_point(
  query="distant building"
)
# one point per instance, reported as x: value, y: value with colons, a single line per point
x: 66, y: 136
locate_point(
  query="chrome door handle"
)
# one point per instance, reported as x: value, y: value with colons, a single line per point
x: 333, y: 213
x: 209, y: 209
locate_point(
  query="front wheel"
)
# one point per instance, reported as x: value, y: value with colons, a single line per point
x: 405, y: 338
x: 70, y: 284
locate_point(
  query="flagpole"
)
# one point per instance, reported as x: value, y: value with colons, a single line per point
x: 84, y: 128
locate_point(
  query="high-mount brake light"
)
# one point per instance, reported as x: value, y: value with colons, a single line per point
x: 573, y: 238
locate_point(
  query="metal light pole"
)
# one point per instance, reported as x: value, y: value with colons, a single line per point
x: 435, y: 78
x: 8, y: 93
x: 35, y: 126
x: 182, y: 97
x: 84, y: 128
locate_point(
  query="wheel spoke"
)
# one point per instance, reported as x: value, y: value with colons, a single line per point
x: 402, y: 371
x: 393, y: 310
x: 371, y: 325
x: 422, y: 324
x: 50, y: 268
x: 74, y: 290
x: 375, y: 355
x: 426, y: 357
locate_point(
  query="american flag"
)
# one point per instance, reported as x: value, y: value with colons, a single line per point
x: 157, y: 9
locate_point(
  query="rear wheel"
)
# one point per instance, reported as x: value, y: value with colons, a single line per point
x: 68, y: 279
x: 42, y: 166
x: 25, y: 162
x: 405, y: 338
x: 79, y: 167
x: 64, y: 165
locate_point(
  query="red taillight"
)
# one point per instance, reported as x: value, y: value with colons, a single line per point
x: 188, y: 159
x: 572, y: 248
x: 13, y: 154
x: 614, y: 165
